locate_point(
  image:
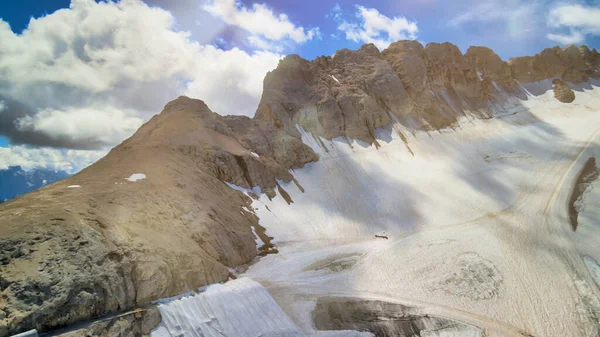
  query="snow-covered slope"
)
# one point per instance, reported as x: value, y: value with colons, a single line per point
x: 434, y: 180
x: 241, y: 308
x: 477, y: 222
x: 473, y: 228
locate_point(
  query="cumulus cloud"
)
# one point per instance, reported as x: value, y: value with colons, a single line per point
x: 87, y: 76
x: 261, y: 22
x: 53, y: 159
x: 239, y: 77
x: 373, y: 27
x: 579, y: 20
x: 104, y: 126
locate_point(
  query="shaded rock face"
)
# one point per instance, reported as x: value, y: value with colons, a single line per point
x: 348, y: 95
x: 71, y: 254
x: 491, y: 70
x: 562, y: 92
x: 589, y: 173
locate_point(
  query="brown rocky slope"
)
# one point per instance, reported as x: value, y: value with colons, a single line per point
x: 70, y: 254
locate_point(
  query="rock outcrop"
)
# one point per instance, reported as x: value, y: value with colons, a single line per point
x: 71, y: 253
x: 490, y: 69
x: 137, y: 323
x: 562, y: 92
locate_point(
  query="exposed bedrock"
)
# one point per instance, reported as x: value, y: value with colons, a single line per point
x: 385, y: 319
x: 354, y: 92
x: 562, y: 92
x: 71, y: 254
x: 588, y: 174
x: 138, y: 323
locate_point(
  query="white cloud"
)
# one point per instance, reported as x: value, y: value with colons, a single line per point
x: 577, y: 16
x: 261, y: 43
x: 87, y: 76
x: 53, y: 159
x: 578, y: 19
x: 518, y: 18
x: 261, y: 22
x: 374, y: 27
x: 105, y: 125
x: 230, y: 82
x: 572, y: 38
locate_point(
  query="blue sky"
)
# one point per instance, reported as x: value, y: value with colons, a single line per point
x: 80, y: 76
x: 432, y: 17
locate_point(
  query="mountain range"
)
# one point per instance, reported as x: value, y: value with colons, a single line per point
x: 100, y: 242
x: 15, y: 181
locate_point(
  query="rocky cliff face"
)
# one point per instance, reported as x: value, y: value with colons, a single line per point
x: 572, y: 64
x: 354, y: 92
x: 70, y: 253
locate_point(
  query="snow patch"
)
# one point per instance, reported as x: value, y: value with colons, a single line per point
x: 174, y: 298
x: 136, y: 176
x: 335, y: 79
x: 256, y: 189
x: 255, y: 154
x: 257, y: 239
x: 237, y: 308
x: 74, y: 186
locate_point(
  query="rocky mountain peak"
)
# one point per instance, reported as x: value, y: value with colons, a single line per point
x: 184, y: 103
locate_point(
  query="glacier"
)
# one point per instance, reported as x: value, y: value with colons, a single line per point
x: 476, y: 218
